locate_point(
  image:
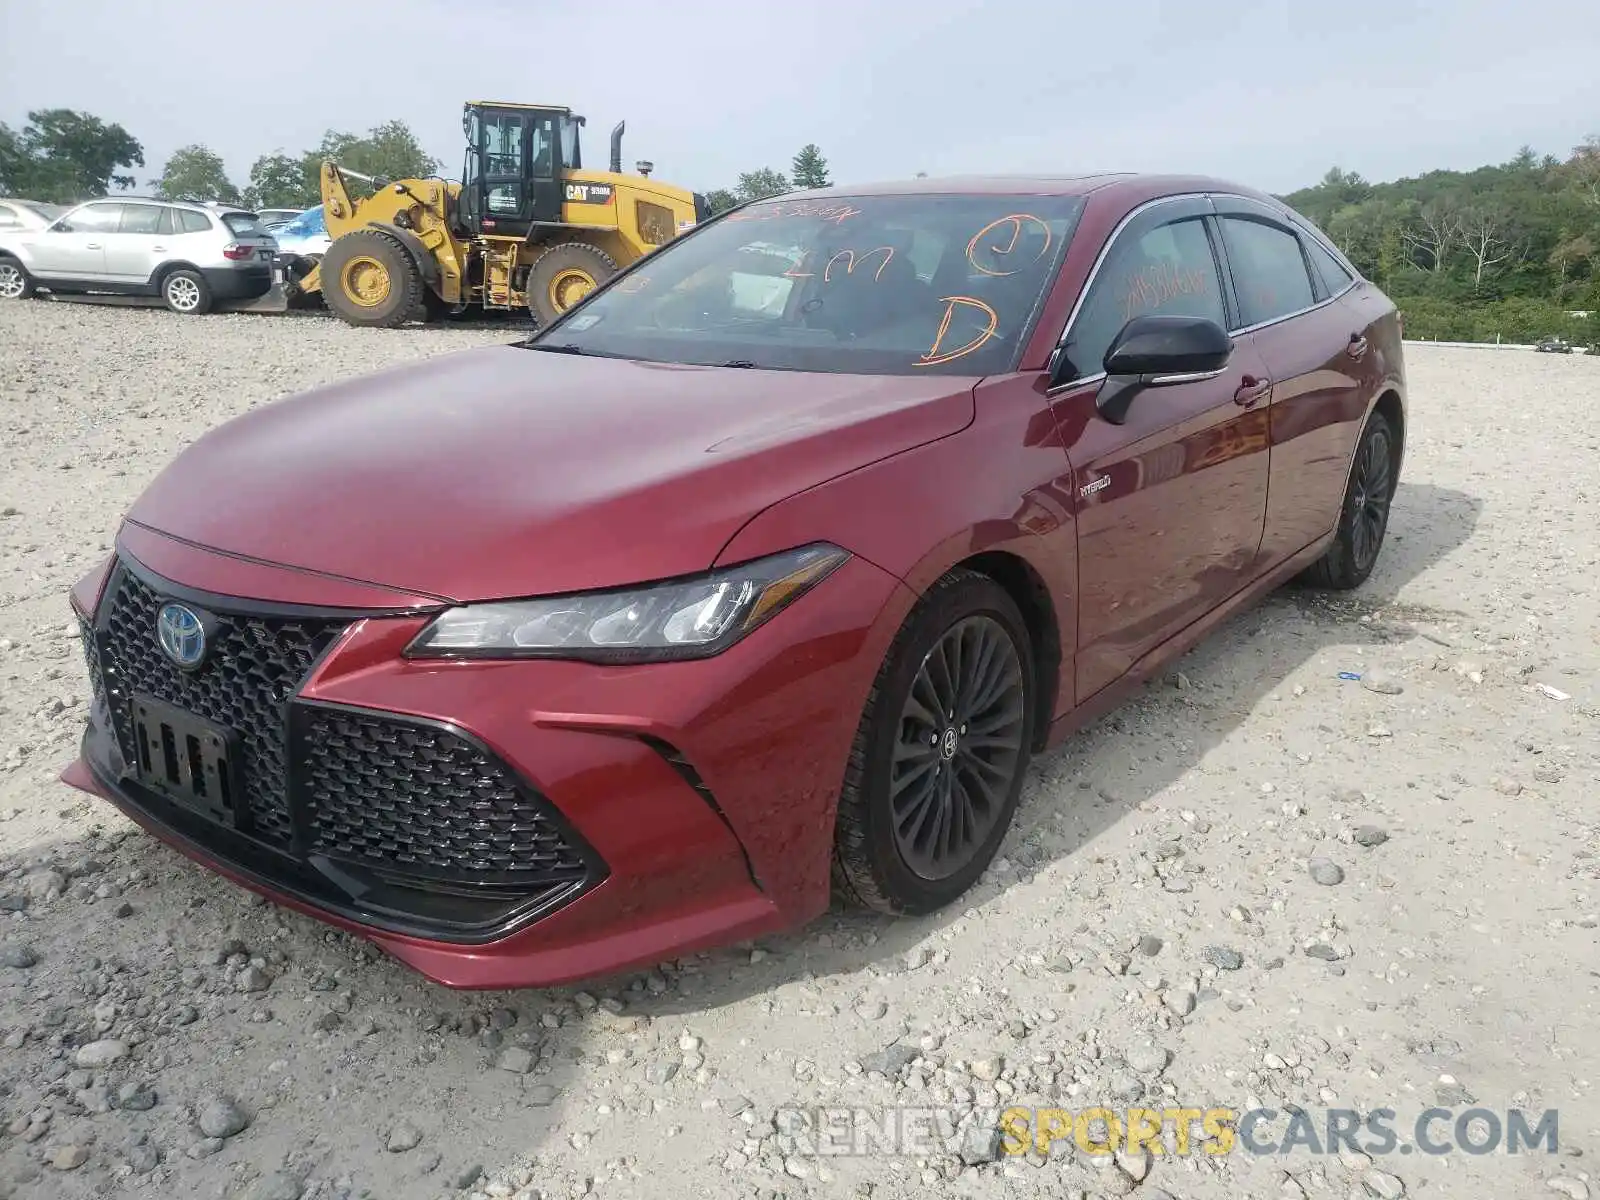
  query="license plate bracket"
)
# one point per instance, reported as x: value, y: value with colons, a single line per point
x: 186, y: 758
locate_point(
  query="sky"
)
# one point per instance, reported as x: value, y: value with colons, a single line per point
x: 1269, y: 94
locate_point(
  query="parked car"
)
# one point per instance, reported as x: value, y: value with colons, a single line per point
x: 26, y: 214
x: 304, y: 235
x: 544, y: 660
x: 188, y: 254
x: 1552, y: 345
x: 273, y: 217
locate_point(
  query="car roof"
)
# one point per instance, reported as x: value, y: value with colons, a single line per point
x: 205, y: 206
x: 1137, y: 186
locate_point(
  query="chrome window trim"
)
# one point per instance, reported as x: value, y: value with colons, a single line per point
x: 1184, y: 377
x: 1286, y: 218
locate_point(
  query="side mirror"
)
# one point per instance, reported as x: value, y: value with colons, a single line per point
x: 1156, y: 351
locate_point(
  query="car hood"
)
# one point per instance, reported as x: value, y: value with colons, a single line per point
x: 510, y: 472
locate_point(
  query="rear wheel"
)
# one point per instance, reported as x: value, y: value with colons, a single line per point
x: 370, y: 279
x: 563, y: 275
x: 939, y: 758
x: 186, y: 292
x: 15, y: 282
x: 1364, y: 516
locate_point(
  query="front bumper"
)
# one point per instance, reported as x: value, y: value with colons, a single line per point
x: 660, y: 808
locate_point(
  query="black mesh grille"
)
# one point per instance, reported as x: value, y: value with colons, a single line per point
x: 91, y: 654
x: 423, y: 801
x: 253, y: 665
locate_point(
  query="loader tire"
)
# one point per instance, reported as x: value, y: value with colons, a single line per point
x: 565, y: 274
x: 370, y: 279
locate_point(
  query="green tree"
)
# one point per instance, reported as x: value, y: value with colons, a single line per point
x: 720, y: 200
x: 389, y: 151
x: 278, y: 181
x: 754, y: 185
x: 810, y: 169
x: 63, y: 156
x: 196, y: 173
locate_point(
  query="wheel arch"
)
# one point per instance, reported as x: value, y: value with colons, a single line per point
x: 159, y: 275
x: 1027, y: 588
x: 1393, y: 409
x: 427, y: 264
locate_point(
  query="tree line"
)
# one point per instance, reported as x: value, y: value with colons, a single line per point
x: 61, y: 157
x: 1509, y: 251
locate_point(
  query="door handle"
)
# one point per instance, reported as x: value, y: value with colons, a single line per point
x: 91, y: 245
x: 158, y: 249
x: 1250, y: 390
x: 1357, y: 348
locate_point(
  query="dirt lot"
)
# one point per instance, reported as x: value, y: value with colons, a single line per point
x: 1258, y: 884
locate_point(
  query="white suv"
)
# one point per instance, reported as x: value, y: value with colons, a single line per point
x: 190, y: 255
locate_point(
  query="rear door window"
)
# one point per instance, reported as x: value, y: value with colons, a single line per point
x: 1167, y: 269
x: 1269, y: 270
x: 141, y: 218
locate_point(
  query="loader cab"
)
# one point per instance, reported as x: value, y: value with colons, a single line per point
x: 512, y: 183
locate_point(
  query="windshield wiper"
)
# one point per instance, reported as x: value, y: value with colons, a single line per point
x: 743, y: 363
x: 562, y: 348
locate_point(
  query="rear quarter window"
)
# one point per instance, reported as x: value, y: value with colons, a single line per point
x: 1334, y: 277
x: 190, y: 221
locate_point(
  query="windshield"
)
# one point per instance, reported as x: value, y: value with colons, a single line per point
x: 863, y: 284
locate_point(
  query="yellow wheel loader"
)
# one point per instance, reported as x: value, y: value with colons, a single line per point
x: 527, y: 227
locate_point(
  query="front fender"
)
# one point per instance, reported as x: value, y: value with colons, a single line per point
x: 426, y: 263
x: 1000, y: 486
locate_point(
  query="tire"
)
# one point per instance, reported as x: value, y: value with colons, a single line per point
x: 1364, y: 513
x: 563, y: 275
x: 186, y: 292
x: 15, y: 282
x: 370, y: 279
x: 876, y: 867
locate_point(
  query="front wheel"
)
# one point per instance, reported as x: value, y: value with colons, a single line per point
x: 15, y: 282
x: 1364, y: 516
x: 938, y: 762
x: 370, y: 279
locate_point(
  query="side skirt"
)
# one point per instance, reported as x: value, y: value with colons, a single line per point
x: 1114, y: 693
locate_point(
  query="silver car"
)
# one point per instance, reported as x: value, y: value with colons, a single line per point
x: 190, y: 255
x: 26, y: 214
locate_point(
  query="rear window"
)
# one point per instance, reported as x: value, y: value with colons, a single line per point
x: 244, y: 225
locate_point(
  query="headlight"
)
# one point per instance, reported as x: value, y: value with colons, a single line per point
x: 680, y: 618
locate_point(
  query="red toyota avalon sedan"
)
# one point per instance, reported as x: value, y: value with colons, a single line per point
x: 757, y: 577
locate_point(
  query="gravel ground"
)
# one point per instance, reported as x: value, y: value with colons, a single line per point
x: 1255, y: 884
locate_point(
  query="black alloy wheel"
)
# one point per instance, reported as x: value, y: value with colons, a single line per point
x: 939, y: 758
x: 1371, y: 489
x: 1364, y: 515
x: 960, y: 743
